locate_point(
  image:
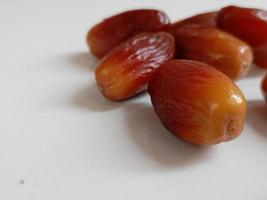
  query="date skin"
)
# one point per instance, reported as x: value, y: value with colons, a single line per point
x: 106, y: 35
x: 248, y: 24
x: 126, y: 70
x: 264, y: 87
x: 214, y: 47
x: 197, y: 103
x: 207, y: 19
x: 261, y: 58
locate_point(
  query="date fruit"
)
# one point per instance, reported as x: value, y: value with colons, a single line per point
x: 208, y: 19
x: 126, y: 70
x: 248, y: 24
x: 261, y: 58
x: 106, y: 35
x: 197, y: 103
x: 264, y: 86
x: 214, y: 47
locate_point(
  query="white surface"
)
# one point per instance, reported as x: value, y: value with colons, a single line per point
x: 65, y: 141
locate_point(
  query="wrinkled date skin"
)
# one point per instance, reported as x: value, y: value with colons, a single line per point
x: 106, y: 35
x: 214, y: 47
x: 197, y: 103
x: 248, y: 24
x: 208, y: 19
x: 264, y: 87
x: 126, y: 70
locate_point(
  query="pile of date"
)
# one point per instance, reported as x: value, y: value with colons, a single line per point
x: 188, y: 67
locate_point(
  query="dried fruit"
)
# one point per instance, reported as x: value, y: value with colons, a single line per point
x: 126, y: 70
x: 197, y: 103
x: 248, y: 24
x: 106, y: 35
x: 215, y: 47
x: 208, y: 19
x: 261, y: 58
x: 264, y: 86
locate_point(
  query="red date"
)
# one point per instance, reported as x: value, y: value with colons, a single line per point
x: 126, y: 70
x: 248, y: 24
x: 208, y: 19
x: 214, y: 47
x: 197, y: 103
x: 106, y: 35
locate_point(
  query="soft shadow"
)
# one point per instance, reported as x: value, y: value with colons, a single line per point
x: 157, y: 143
x: 257, y: 116
x: 83, y: 60
x: 255, y: 71
x: 91, y: 98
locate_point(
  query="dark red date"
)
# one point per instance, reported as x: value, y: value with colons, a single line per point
x: 248, y: 24
x: 106, y: 35
x: 126, y: 70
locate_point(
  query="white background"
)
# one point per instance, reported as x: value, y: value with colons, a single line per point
x: 65, y: 141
